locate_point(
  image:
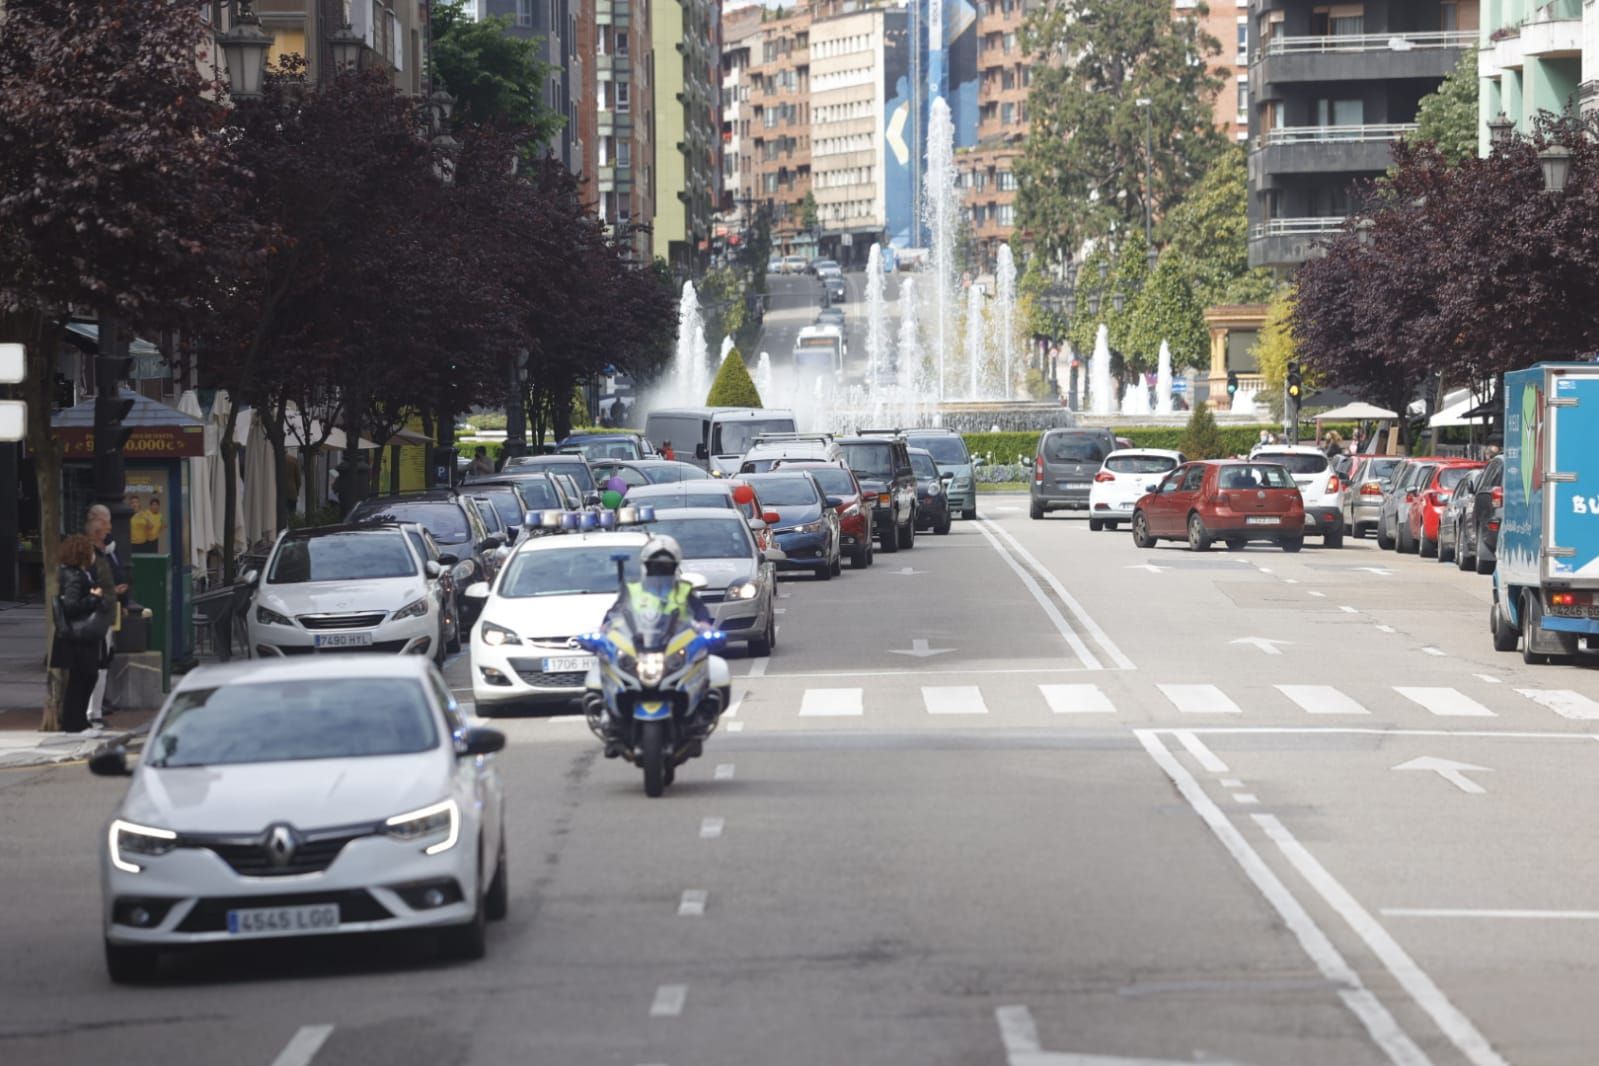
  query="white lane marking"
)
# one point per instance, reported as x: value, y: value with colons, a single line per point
x: 1489, y: 678
x: 1290, y: 581
x: 1348, y: 609
x: 1563, y: 701
x: 1265, y: 569
x: 669, y: 1001
x: 1374, y: 731
x: 732, y: 710
x: 692, y: 905
x: 1445, y: 702
x: 758, y: 667
x: 1455, y: 1025
x: 831, y: 703
x: 724, y: 771
x: 1068, y: 634
x: 1199, y: 699
x: 953, y: 699
x: 1449, y: 770
x: 1385, y: 629
x: 1433, y: 651
x: 1467, y: 912
x: 812, y: 674
x: 304, y: 1045
x: 1018, y: 1030
x: 1322, y: 595
x: 1208, y: 760
x: 1321, y: 699
x: 779, y: 610
x: 1246, y: 799
x: 1106, y: 644
x: 1076, y: 699
x: 1382, y: 1026
x: 711, y: 828
x: 735, y: 727
x: 1231, y: 782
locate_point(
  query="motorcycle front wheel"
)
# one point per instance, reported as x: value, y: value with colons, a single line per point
x: 652, y: 749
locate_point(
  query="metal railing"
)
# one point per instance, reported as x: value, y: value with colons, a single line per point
x: 1321, y: 134
x: 1369, y: 42
x: 1296, y: 227
x: 1557, y: 11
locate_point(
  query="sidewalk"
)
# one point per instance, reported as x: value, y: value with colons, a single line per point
x: 22, y: 650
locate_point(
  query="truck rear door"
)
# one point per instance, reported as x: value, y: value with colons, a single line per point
x: 1573, y: 505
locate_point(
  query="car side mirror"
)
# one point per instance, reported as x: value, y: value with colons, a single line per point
x: 480, y: 741
x: 834, y: 502
x: 774, y: 555
x: 1152, y: 487
x: 591, y: 499
x: 701, y: 452
x: 904, y: 471
x: 251, y: 578
x: 113, y: 762
x: 448, y: 558
x: 432, y: 569
x: 492, y: 541
x: 477, y: 590
x: 948, y: 475
x: 696, y: 581
x: 756, y: 524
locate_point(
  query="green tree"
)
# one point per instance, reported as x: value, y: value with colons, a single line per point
x: 733, y: 386
x: 1085, y: 319
x: 1274, y: 345
x: 1082, y: 166
x: 1447, y: 116
x: 1166, y: 310
x: 1203, y: 438
x: 1128, y: 275
x: 808, y: 215
x: 1208, y: 233
x: 494, y: 77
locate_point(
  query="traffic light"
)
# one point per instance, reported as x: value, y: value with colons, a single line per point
x: 1295, y: 384
x: 111, y: 408
x: 1232, y: 383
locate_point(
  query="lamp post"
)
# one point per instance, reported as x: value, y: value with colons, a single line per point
x: 1555, y: 160
x: 346, y: 47
x: 1363, y: 230
x: 1144, y: 103
x: 244, y: 51
x: 1500, y: 129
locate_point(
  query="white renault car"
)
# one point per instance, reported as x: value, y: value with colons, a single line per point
x: 285, y: 798
x: 551, y: 590
x: 1122, y: 479
x: 347, y: 588
x: 1318, y: 483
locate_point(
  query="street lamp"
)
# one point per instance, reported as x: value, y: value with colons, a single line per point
x: 1363, y: 230
x: 244, y: 50
x: 1500, y: 129
x: 346, y: 46
x: 1149, y: 176
x: 1556, y: 162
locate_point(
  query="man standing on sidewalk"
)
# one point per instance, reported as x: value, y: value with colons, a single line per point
x: 109, y: 574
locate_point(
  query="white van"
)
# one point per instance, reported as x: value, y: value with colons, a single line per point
x: 714, y: 438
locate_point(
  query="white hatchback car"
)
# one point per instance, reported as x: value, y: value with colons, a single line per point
x: 1123, y: 477
x: 274, y: 798
x: 1318, y: 483
x: 347, y: 588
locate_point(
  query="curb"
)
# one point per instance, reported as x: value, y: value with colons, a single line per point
x: 65, y: 747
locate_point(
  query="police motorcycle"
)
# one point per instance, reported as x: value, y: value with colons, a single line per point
x: 656, y: 691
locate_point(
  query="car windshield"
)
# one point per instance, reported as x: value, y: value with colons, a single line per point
x: 539, y: 493
x: 668, y: 473
x: 1069, y: 448
x: 578, y: 471
x: 442, y: 518
x: 505, y: 501
x: 290, y: 720
x: 706, y: 538
x: 490, y: 516
x: 835, y: 480
x: 1254, y: 476
x: 604, y: 449
x: 682, y: 498
x: 1454, y: 475
x: 738, y: 436
x: 949, y: 450
x: 786, y: 490
x: 1296, y: 462
x: 581, y: 571
x: 1140, y: 464
x: 875, y: 461
x: 924, y: 467
x: 353, y: 556
x: 1378, y: 469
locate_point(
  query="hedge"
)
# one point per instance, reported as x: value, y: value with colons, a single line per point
x: 1007, y: 445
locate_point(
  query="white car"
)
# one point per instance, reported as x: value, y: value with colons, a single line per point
x: 1318, y: 483
x: 347, y: 588
x: 336, y: 795
x: 1123, y: 477
x: 551, y: 590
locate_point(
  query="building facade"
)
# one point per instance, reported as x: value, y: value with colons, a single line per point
x: 685, y: 110
x: 1532, y: 58
x: 395, y: 32
x: 554, y: 23
x: 1228, y: 22
x: 985, y: 171
x: 740, y: 37
x: 623, y: 160
x: 1331, y: 87
x: 780, y: 129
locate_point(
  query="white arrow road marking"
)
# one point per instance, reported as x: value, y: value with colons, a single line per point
x: 1019, y: 1033
x: 906, y: 571
x: 1265, y: 644
x: 304, y: 1045
x: 1151, y: 567
x: 920, y: 650
x: 1378, y: 570
x: 1449, y: 770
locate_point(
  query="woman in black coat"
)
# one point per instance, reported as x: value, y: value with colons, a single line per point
x: 81, y: 625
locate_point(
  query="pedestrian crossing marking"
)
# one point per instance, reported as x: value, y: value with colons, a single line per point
x: 1563, y: 701
x: 1199, y: 699
x: 831, y: 703
x: 1076, y: 699
x: 1445, y: 702
x: 953, y: 699
x: 1321, y: 699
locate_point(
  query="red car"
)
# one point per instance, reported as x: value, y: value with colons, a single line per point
x: 1235, y: 501
x: 1427, y: 502
x: 854, y: 516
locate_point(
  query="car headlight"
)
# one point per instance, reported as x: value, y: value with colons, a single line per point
x: 933, y: 488
x: 494, y: 635
x: 439, y: 820
x: 415, y: 609
x: 130, y: 839
x: 651, y: 667
x: 744, y: 590
x: 818, y: 526
x: 268, y: 617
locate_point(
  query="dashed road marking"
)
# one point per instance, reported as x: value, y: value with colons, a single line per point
x: 669, y: 1000
x: 1076, y: 699
x: 304, y: 1045
x: 1321, y: 699
x: 711, y: 828
x: 831, y: 703
x: 1563, y: 701
x: 953, y: 699
x: 724, y: 771
x: 1199, y: 699
x: 692, y: 905
x: 1445, y: 702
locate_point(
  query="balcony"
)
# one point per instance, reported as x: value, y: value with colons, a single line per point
x: 1553, y: 32
x: 1327, y: 149
x: 1359, y: 57
x: 1288, y: 241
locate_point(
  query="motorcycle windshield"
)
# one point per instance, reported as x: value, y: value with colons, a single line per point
x: 651, y: 621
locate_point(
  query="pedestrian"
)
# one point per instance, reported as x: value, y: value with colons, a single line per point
x: 83, y: 613
x: 110, y: 574
x: 1334, y: 444
x: 482, y: 465
x: 1359, y: 446
x: 618, y: 413
x: 666, y: 450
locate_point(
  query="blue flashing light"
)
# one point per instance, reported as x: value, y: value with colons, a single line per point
x: 588, y: 520
x: 607, y: 519
x: 570, y: 522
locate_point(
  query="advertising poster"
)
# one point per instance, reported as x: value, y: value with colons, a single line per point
x: 149, y: 494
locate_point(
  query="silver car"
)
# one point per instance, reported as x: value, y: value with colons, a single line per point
x: 1364, y: 491
x: 1393, y: 523
x: 741, y: 579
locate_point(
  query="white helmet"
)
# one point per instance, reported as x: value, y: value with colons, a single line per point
x: 660, y: 556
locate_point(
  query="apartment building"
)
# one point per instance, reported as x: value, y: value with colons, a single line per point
x: 686, y: 115
x: 1331, y: 87
x: 1228, y: 22
x: 740, y: 38
x: 1532, y: 58
x: 780, y: 128
x: 395, y: 32
x: 624, y: 157
x: 985, y: 171
x: 554, y: 23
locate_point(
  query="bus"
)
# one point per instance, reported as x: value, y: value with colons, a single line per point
x: 818, y: 351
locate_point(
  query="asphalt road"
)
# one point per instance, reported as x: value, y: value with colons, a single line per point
x: 1021, y: 795
x: 792, y: 303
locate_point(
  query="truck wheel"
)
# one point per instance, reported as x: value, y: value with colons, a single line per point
x: 1095, y: 525
x: 1504, y: 634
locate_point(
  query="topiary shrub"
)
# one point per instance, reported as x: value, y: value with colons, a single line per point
x: 1203, y: 439
x: 733, y: 386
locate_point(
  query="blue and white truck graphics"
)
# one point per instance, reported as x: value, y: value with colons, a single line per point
x: 1546, y: 584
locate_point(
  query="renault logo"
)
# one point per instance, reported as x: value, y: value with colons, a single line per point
x: 281, y: 844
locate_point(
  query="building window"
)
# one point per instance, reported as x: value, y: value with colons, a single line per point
x: 1337, y: 20
x: 606, y: 149
x: 621, y: 43
x: 524, y: 12
x: 621, y: 96
x: 1007, y: 113
x: 624, y: 154
x: 1243, y: 40
x: 1243, y: 100
x: 1340, y: 112
x: 1007, y: 181
x: 1448, y: 17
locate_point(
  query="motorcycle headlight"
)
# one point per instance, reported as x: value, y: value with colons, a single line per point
x: 440, y: 822
x: 744, y: 590
x: 494, y: 635
x: 414, y: 609
x: 651, y: 667
x: 268, y: 617
x: 129, y: 840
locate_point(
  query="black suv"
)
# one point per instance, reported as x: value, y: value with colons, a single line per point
x: 465, y: 543
x: 883, y: 467
x: 1479, y: 542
